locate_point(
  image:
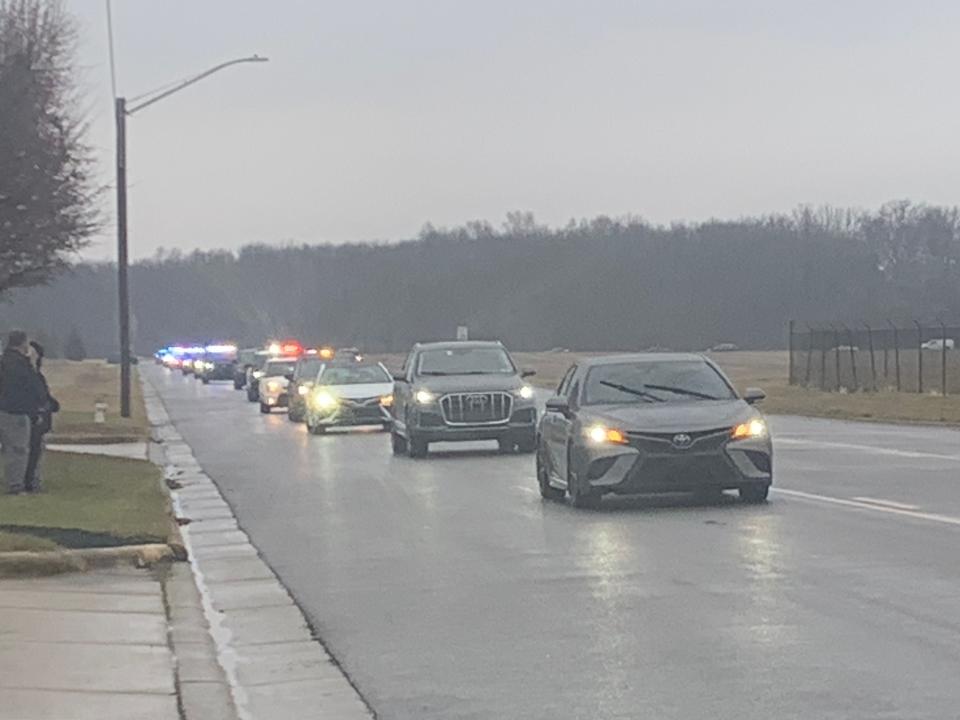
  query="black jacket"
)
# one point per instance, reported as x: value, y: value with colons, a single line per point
x: 22, y: 392
x: 43, y: 420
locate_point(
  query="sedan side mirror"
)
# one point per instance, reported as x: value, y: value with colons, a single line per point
x: 528, y: 373
x: 558, y: 404
x: 753, y: 395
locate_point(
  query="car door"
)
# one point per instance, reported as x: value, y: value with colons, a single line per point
x: 566, y: 425
x: 401, y: 388
x: 554, y: 437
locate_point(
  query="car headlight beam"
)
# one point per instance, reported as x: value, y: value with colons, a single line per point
x: 602, y: 435
x: 524, y: 393
x: 324, y: 400
x: 424, y: 397
x: 755, y: 428
x: 386, y: 400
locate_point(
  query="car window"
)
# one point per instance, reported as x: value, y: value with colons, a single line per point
x: 274, y: 368
x: 574, y: 396
x: 565, y: 381
x: 408, y: 363
x: 465, y: 361
x: 308, y: 367
x: 353, y: 375
x: 655, y: 381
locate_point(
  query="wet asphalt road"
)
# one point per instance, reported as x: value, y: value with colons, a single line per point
x: 447, y: 589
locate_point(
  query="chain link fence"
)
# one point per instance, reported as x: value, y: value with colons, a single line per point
x: 838, y: 357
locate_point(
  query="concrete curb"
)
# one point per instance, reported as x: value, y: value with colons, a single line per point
x: 274, y: 665
x: 20, y: 563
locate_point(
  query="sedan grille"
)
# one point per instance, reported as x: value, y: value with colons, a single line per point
x: 489, y: 408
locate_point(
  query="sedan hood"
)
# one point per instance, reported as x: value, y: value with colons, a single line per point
x: 672, y: 417
x: 443, y: 384
x: 363, y: 390
x: 266, y: 380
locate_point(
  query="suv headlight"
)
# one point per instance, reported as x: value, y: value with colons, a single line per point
x: 524, y: 393
x: 424, y: 397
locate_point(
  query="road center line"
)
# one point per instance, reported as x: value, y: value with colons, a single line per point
x: 887, y: 503
x: 915, y: 514
x: 777, y: 440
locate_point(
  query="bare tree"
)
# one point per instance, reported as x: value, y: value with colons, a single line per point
x: 47, y: 193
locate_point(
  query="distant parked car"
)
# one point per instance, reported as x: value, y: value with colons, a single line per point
x: 847, y: 348
x: 725, y: 347
x: 938, y: 344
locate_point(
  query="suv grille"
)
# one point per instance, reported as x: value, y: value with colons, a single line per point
x: 484, y: 408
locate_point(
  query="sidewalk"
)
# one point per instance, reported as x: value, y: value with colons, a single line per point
x: 103, y: 646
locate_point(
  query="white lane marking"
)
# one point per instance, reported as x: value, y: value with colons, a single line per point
x: 916, y: 515
x: 777, y: 440
x: 887, y: 503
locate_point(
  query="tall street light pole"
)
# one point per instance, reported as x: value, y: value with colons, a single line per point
x: 123, y: 287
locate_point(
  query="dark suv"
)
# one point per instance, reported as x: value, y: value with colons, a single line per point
x: 304, y: 375
x: 462, y: 391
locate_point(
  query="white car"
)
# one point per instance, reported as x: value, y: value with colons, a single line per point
x: 273, y: 383
x: 349, y: 394
x: 938, y: 344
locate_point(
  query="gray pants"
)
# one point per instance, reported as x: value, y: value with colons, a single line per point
x: 15, y: 448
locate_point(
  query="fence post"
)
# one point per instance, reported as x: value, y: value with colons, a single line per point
x: 790, y: 351
x: 896, y: 352
x: 806, y: 378
x: 919, y: 357
x: 873, y: 362
x: 823, y: 359
x: 943, y: 358
x: 853, y: 358
x: 836, y: 353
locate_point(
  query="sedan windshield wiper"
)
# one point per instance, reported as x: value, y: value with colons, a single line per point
x: 433, y: 372
x: 683, y: 391
x: 649, y: 397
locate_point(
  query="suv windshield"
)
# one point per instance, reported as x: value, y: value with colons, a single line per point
x: 466, y: 361
x: 274, y: 368
x: 354, y: 375
x: 308, y: 368
x: 655, y: 382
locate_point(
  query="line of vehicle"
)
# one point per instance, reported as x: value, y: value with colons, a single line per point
x: 798, y: 442
x: 860, y: 505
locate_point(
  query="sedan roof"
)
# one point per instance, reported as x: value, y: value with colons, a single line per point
x: 459, y: 344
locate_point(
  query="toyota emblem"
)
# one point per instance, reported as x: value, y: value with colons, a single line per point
x: 681, y: 441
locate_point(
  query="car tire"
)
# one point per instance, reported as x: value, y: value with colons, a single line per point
x: 317, y: 429
x: 398, y: 443
x: 417, y: 448
x: 264, y: 408
x: 505, y: 445
x: 293, y: 417
x: 387, y: 427
x: 206, y: 381
x: 578, y: 497
x: 754, y: 494
x: 237, y: 385
x: 547, y: 491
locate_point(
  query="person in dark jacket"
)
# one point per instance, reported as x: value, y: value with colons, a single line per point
x: 21, y: 396
x: 40, y: 424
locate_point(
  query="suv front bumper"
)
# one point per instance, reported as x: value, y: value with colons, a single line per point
x: 429, y: 426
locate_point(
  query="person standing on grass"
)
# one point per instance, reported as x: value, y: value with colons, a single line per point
x: 40, y: 424
x: 21, y: 396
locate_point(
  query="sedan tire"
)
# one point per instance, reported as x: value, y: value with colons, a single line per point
x: 264, y: 408
x: 398, y: 443
x: 317, y: 429
x: 578, y: 497
x: 547, y: 491
x: 417, y: 448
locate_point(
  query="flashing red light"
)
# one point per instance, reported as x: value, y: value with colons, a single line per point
x: 291, y: 348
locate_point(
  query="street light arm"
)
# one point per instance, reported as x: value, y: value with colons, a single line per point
x: 195, y: 79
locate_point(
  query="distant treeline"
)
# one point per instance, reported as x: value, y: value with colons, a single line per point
x: 598, y: 284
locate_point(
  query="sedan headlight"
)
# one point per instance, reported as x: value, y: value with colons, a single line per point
x: 602, y: 435
x: 324, y: 400
x: 302, y: 390
x: 524, y: 393
x: 258, y: 374
x: 273, y: 386
x: 424, y: 397
x: 751, y: 429
x: 386, y: 400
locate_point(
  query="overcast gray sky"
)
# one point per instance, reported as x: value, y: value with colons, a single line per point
x: 372, y: 118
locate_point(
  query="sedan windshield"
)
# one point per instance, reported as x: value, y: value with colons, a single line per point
x: 466, y: 361
x: 275, y: 368
x: 655, y: 382
x: 308, y: 368
x: 354, y: 375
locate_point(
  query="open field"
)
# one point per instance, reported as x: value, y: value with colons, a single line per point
x: 79, y: 386
x: 768, y: 370
x: 87, y: 501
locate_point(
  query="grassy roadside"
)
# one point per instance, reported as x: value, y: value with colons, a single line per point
x: 88, y: 501
x: 79, y: 386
